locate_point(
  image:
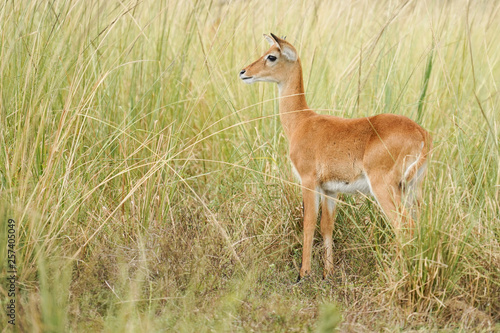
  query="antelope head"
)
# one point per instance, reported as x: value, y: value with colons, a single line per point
x: 274, y: 65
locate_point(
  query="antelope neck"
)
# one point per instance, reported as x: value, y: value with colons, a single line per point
x: 292, y: 104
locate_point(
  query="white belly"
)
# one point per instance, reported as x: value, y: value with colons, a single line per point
x: 360, y: 185
x: 296, y: 173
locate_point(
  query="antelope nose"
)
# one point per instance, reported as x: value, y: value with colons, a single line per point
x: 242, y: 72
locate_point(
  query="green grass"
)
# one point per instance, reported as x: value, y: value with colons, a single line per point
x: 152, y: 190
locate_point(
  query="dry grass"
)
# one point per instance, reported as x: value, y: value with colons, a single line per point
x: 152, y: 190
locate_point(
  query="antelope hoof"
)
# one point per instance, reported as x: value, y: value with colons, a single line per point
x: 303, y: 273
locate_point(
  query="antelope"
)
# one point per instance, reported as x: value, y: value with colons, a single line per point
x: 383, y: 156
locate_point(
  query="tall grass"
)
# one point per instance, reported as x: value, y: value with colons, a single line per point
x: 152, y: 190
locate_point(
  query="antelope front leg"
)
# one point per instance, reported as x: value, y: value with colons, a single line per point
x: 310, y: 214
x: 327, y: 223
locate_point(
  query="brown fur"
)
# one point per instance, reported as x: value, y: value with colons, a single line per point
x: 325, y: 148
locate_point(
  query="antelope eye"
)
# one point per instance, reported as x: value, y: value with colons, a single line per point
x: 271, y: 57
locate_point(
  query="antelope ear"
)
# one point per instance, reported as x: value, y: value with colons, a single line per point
x: 271, y: 40
x: 289, y: 53
x: 286, y: 49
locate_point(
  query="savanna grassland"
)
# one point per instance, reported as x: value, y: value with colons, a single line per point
x: 151, y: 189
